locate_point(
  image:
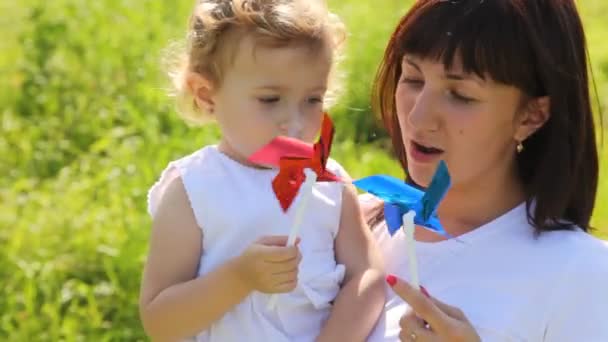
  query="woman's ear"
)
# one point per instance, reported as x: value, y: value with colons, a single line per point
x: 202, y: 90
x: 535, y: 114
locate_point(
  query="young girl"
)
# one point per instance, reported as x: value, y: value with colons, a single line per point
x: 217, y: 253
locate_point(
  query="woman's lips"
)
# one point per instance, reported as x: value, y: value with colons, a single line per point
x: 422, y: 153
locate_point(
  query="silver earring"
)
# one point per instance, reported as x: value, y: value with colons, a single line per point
x: 520, y: 147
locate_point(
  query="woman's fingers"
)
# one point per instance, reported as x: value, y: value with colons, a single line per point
x: 411, y: 321
x: 446, y: 323
x: 423, y: 306
x: 451, y: 311
x: 413, y: 328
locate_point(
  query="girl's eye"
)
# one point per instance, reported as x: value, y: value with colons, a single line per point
x: 315, y: 99
x: 269, y: 99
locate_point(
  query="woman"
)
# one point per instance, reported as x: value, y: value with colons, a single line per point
x: 499, y: 90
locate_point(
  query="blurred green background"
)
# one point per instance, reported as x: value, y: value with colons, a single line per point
x: 87, y: 127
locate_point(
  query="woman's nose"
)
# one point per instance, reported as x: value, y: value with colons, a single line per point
x: 422, y: 116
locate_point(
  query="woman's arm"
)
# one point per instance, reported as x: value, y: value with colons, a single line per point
x: 361, y: 299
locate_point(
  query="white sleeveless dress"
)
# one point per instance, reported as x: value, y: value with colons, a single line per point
x: 234, y: 205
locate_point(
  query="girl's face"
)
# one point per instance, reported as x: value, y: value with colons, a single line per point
x: 269, y: 91
x: 473, y: 124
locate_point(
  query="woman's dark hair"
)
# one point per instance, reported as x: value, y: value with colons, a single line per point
x: 537, y: 46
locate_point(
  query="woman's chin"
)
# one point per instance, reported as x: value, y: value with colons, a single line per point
x: 422, y: 176
x: 421, y: 173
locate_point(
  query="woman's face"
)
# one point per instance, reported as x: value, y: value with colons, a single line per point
x: 470, y: 122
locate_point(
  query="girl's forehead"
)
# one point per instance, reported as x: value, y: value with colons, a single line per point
x: 279, y: 72
x: 255, y: 57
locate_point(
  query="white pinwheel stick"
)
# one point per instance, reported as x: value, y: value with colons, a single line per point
x: 409, y: 228
x: 306, y: 192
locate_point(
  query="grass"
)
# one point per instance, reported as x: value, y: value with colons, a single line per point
x: 86, y: 129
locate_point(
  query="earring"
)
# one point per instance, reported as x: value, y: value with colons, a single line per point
x: 207, y: 107
x: 520, y: 147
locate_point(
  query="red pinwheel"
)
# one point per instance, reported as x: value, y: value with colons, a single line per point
x: 292, y: 156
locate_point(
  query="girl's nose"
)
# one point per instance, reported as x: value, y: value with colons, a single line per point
x: 292, y: 126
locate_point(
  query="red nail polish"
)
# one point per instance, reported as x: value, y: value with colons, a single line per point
x: 391, y: 280
x: 424, y: 291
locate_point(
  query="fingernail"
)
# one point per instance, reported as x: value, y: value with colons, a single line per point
x: 391, y: 280
x: 424, y: 291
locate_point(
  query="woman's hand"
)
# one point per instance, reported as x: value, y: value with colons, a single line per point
x: 430, y: 319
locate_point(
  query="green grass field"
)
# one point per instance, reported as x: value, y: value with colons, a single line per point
x: 87, y: 127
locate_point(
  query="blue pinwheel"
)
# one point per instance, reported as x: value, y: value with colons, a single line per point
x: 400, y: 198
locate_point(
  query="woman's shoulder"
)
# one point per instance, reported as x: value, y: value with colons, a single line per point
x: 584, y: 255
x: 576, y: 239
x: 565, y: 246
x: 580, y: 296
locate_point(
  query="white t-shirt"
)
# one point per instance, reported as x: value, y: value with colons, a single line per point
x: 234, y: 205
x: 511, y: 285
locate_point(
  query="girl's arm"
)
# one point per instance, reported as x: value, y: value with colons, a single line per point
x: 361, y: 299
x: 174, y: 303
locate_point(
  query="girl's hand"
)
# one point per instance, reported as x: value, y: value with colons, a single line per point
x: 431, y: 319
x: 269, y: 266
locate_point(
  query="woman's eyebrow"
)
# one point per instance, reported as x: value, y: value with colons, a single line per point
x: 463, y: 77
x: 411, y: 63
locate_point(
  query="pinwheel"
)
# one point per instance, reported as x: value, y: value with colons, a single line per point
x: 406, y: 206
x: 300, y: 166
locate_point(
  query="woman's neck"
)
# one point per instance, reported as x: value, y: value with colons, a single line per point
x: 470, y: 206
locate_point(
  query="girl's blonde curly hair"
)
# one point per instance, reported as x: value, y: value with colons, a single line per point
x: 275, y: 23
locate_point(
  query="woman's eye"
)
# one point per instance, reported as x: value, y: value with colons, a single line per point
x: 412, y: 81
x: 461, y: 98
